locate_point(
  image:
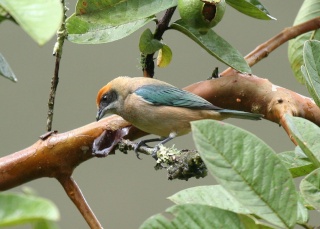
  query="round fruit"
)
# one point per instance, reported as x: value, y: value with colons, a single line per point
x: 202, y: 14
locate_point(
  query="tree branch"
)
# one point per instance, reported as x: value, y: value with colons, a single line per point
x: 263, y: 50
x: 74, y: 193
x: 57, y: 52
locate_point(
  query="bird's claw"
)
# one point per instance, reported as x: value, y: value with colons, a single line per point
x: 138, y: 145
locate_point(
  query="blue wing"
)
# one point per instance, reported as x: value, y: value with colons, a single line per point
x: 166, y: 95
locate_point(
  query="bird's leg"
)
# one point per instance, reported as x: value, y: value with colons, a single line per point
x: 157, y: 147
x: 143, y: 143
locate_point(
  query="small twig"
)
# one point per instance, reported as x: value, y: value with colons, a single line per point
x: 57, y: 52
x: 162, y: 26
x: 263, y: 50
x: 180, y: 164
x: 75, y: 194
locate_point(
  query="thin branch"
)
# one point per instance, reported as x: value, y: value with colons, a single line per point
x: 75, y: 194
x: 162, y: 26
x: 263, y: 50
x: 57, y: 52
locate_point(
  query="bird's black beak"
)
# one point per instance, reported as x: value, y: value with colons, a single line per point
x: 99, y: 116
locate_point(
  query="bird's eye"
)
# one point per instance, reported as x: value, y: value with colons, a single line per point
x: 105, y: 97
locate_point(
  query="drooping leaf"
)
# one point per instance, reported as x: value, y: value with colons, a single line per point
x: 214, y: 195
x: 5, y: 69
x: 97, y: 21
x: 252, y: 8
x: 148, y: 44
x: 18, y: 208
x: 297, y: 165
x: 310, y: 188
x: 309, y: 9
x: 307, y: 135
x: 249, y: 169
x: 191, y: 216
x: 164, y: 56
x: 40, y: 19
x: 311, y: 69
x: 104, y: 33
x: 215, y: 46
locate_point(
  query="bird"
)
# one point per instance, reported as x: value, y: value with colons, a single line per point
x: 158, y: 108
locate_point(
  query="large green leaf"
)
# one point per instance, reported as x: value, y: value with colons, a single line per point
x: 309, y: 9
x: 252, y: 8
x: 215, y: 46
x: 97, y: 21
x: 311, y: 69
x: 214, y: 195
x: 310, y: 188
x: 5, y: 69
x: 18, y: 208
x: 104, y: 33
x: 307, y: 135
x: 193, y: 216
x: 297, y: 164
x: 249, y: 169
x: 39, y: 18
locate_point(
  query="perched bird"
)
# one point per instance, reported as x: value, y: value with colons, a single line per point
x: 158, y: 108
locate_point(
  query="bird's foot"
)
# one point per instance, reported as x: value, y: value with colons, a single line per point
x: 138, y: 145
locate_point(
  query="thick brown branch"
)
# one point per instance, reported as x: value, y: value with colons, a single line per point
x: 56, y: 156
x: 59, y: 154
x: 267, y: 47
x: 257, y: 95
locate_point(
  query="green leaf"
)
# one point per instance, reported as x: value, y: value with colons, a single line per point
x: 311, y: 70
x: 309, y: 9
x: 214, y: 195
x: 310, y: 188
x: 18, y: 208
x: 148, y: 44
x: 45, y: 224
x: 215, y: 46
x: 97, y: 21
x: 104, y: 33
x: 191, y: 216
x: 249, y: 169
x: 298, y: 165
x: 303, y: 214
x: 5, y: 69
x: 38, y: 18
x: 307, y: 135
x: 164, y: 56
x: 250, y: 222
x: 4, y: 15
x: 252, y: 8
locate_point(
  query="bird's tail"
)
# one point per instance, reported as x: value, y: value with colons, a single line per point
x: 241, y: 114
